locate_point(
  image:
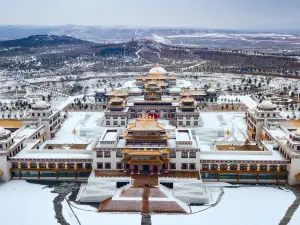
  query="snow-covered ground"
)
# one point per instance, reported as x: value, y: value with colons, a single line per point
x: 27, y: 204
x: 247, y: 206
x: 91, y: 216
x: 23, y: 203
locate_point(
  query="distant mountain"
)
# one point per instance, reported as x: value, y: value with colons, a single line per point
x: 41, y: 41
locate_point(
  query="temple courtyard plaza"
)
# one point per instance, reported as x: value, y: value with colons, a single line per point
x: 251, y: 205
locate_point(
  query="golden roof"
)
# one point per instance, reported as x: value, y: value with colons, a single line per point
x: 172, y: 77
x: 116, y: 99
x: 165, y: 160
x: 187, y: 106
x: 192, y: 92
x: 114, y: 106
x: 298, y: 176
x: 147, y: 152
x: 118, y: 93
x: 125, y: 160
x: 164, y: 137
x: 159, y: 83
x: 147, y: 162
x: 187, y: 99
x: 146, y: 123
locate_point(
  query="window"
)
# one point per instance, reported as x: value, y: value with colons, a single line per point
x: 192, y: 154
x: 44, y: 114
x: 122, y: 123
x: 107, y: 165
x: 188, y: 123
x: 79, y: 165
x: 107, y: 154
x: 180, y: 123
x: 118, y: 154
x: 99, y: 165
x: 61, y: 165
x: 99, y: 154
x: 88, y: 166
x: 172, y: 155
x: 184, y: 166
x: 184, y: 154
x: 32, y: 114
x: 115, y: 122
x: 173, y: 166
x: 268, y: 115
x: 52, y: 165
x: 196, y: 123
x: 192, y: 166
x: 42, y: 165
x: 32, y: 165
x: 107, y: 123
x: 119, y: 166
x: 205, y: 166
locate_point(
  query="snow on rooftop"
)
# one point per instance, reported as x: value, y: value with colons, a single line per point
x: 183, y: 135
x: 110, y: 135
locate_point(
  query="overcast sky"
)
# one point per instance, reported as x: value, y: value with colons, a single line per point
x: 224, y: 14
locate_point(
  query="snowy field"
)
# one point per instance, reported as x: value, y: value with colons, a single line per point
x: 247, y: 206
x: 244, y: 205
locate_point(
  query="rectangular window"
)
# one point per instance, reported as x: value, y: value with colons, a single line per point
x: 99, y: 165
x: 192, y: 166
x: 107, y: 122
x: 52, y: 165
x: 184, y: 166
x: 107, y: 166
x: 172, y: 155
x: 115, y: 123
x: 99, y: 154
x: 61, y: 165
x: 196, y: 123
x: 119, y: 154
x: 188, y: 123
x: 192, y: 154
x: 184, y: 154
x: 122, y: 123
x: 119, y: 166
x: 88, y: 166
x: 180, y: 123
x: 79, y: 165
x: 173, y: 166
x: 107, y: 154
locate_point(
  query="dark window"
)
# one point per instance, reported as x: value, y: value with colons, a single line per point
x: 184, y: 166
x: 100, y: 165
x: 184, y: 154
x: 173, y: 166
x: 192, y: 154
x: 88, y: 166
x: 99, y: 154
x: 107, y: 165
x: 118, y: 154
x: 172, y: 154
x: 107, y: 154
x: 119, y: 166
x: 192, y: 166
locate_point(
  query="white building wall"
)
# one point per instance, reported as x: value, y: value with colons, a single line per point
x: 294, y: 169
x: 4, y: 166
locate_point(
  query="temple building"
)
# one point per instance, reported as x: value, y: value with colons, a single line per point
x: 159, y: 74
x: 41, y: 113
x: 265, y: 111
x: 187, y: 114
x: 146, y: 147
x: 116, y: 113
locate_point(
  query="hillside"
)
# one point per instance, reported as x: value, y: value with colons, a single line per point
x: 41, y: 40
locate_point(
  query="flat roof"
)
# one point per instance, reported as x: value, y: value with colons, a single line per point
x: 110, y: 135
x: 183, y: 135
